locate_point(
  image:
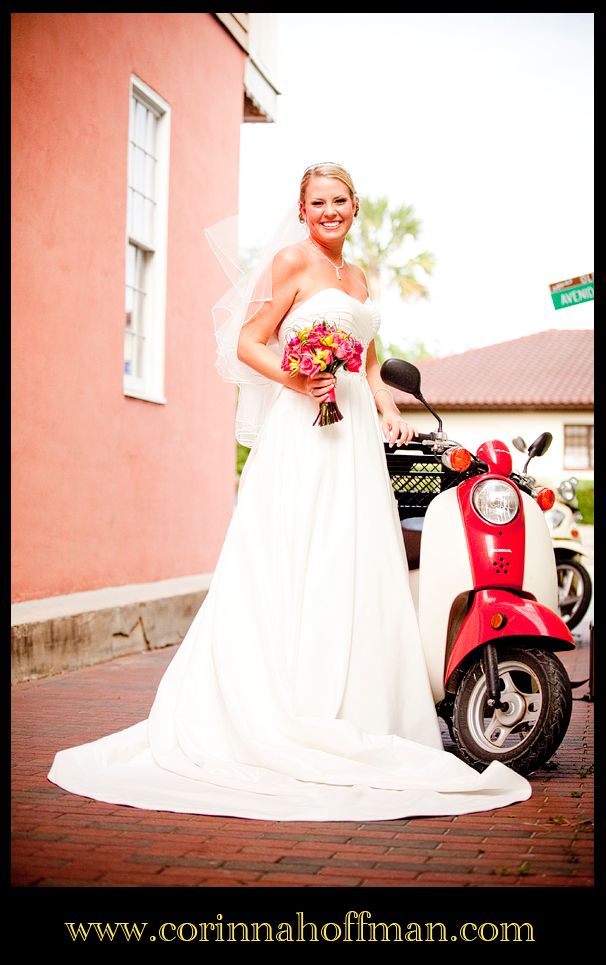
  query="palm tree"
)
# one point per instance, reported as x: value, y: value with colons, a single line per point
x: 377, y: 244
x: 413, y: 351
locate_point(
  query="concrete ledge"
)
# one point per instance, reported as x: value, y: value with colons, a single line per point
x: 62, y: 633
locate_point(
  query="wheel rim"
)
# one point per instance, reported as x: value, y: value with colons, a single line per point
x: 570, y: 590
x: 501, y: 731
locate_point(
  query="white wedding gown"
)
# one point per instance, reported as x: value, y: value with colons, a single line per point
x: 300, y: 690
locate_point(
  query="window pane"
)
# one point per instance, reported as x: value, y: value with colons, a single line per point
x: 149, y: 223
x: 128, y: 305
x: 139, y: 309
x: 143, y: 326
x: 137, y: 215
x: 150, y: 173
x: 150, y: 134
x: 138, y: 179
x: 135, y: 303
x: 578, y: 447
x: 140, y: 124
x: 140, y: 356
x: 129, y: 352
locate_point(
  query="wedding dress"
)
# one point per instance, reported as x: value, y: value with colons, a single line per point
x: 300, y: 690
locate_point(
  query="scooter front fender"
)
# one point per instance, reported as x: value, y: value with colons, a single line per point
x: 570, y: 547
x: 524, y: 619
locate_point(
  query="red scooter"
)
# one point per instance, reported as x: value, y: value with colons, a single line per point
x: 482, y: 563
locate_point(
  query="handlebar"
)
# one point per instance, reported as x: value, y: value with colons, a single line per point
x: 429, y: 437
x: 525, y: 483
x: 435, y: 443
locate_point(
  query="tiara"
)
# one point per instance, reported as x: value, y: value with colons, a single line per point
x: 318, y: 164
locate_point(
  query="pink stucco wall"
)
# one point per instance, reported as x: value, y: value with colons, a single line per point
x: 109, y: 490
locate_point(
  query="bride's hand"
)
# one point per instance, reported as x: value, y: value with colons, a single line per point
x: 396, y: 430
x: 318, y: 386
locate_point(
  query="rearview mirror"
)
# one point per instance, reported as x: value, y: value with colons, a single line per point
x: 406, y: 377
x: 540, y: 445
x: 402, y: 375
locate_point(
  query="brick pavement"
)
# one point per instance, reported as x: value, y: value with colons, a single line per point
x: 62, y: 840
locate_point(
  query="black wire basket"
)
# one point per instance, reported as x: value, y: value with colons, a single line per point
x: 418, y: 478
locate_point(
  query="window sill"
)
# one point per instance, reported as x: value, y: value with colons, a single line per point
x: 144, y: 396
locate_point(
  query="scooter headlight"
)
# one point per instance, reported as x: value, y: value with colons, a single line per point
x: 553, y: 518
x: 567, y: 490
x: 496, y: 501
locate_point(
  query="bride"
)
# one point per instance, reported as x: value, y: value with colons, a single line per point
x: 300, y: 690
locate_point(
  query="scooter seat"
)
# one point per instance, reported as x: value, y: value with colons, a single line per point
x: 414, y: 523
x: 411, y: 532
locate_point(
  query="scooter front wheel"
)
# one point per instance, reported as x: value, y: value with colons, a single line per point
x: 530, y: 725
x: 574, y: 591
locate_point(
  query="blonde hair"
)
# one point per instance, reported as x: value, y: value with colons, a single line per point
x: 328, y: 169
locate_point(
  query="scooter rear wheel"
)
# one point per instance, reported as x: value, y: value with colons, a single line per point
x: 535, y: 690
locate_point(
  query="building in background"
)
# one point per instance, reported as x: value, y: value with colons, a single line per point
x: 125, y: 145
x: 538, y: 383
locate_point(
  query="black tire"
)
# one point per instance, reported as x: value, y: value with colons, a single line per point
x: 526, y: 735
x: 574, y: 591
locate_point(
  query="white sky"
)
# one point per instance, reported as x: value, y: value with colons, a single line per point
x: 482, y: 122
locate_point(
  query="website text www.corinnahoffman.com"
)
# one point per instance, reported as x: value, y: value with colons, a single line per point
x: 356, y: 926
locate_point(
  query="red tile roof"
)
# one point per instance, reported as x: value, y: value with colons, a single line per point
x: 548, y: 370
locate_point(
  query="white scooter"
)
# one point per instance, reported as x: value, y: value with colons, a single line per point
x: 574, y: 581
x: 487, y: 591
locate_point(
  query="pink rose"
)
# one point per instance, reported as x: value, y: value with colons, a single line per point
x: 344, y: 350
x: 354, y: 364
x: 307, y: 366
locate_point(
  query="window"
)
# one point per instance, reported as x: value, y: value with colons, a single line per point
x: 578, y: 447
x: 146, y: 243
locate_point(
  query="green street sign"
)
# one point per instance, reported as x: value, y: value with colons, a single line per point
x: 573, y: 296
x: 572, y: 292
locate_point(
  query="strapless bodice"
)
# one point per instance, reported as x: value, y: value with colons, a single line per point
x: 362, y: 319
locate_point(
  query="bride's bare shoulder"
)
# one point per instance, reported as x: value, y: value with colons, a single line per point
x: 290, y: 261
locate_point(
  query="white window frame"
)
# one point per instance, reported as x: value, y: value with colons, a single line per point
x: 589, y: 448
x: 150, y: 387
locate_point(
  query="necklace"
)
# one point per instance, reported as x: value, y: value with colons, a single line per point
x: 337, y: 268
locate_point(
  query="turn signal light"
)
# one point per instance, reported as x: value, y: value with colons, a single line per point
x: 497, y: 621
x: 545, y: 499
x: 457, y: 458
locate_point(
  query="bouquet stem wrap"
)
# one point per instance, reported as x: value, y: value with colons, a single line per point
x: 329, y: 411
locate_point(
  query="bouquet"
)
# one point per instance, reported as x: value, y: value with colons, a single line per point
x: 322, y: 347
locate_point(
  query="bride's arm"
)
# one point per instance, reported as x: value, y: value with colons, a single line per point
x: 395, y: 428
x: 252, y: 344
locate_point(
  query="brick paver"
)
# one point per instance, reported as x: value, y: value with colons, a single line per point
x: 62, y: 840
